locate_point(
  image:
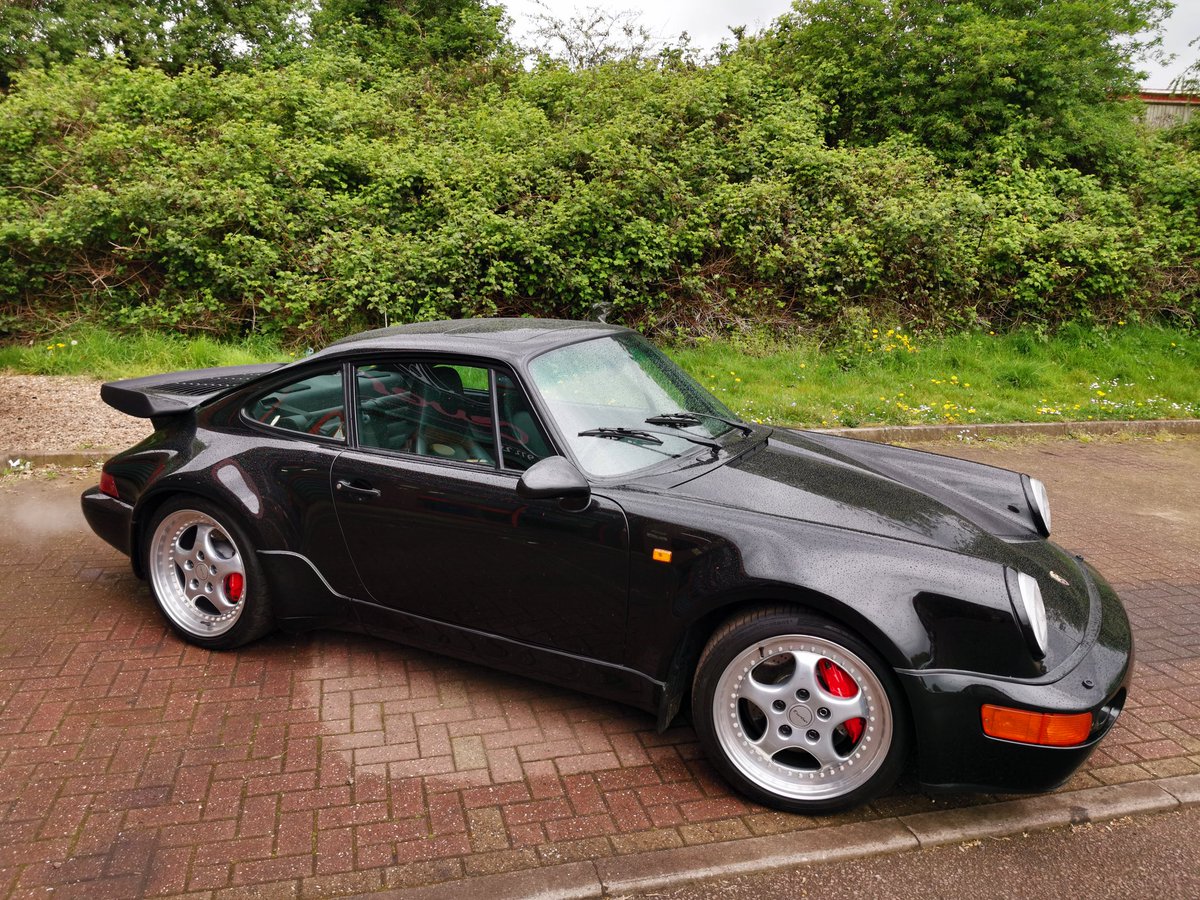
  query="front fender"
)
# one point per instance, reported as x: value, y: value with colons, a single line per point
x: 915, y: 604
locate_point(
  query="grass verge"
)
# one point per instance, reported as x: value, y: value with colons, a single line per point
x: 888, y: 377
x: 884, y: 376
x: 109, y: 355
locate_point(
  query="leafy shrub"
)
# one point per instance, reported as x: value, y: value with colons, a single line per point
x: 331, y: 194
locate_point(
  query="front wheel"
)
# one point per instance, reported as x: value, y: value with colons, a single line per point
x: 204, y: 576
x: 798, y: 712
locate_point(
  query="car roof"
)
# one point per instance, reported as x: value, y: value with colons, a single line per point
x: 509, y: 339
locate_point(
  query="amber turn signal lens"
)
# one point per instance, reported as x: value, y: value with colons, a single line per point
x: 1027, y: 727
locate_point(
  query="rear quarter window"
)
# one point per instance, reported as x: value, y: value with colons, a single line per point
x: 314, y: 405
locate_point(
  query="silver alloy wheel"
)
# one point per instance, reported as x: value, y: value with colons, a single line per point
x: 197, y: 573
x: 783, y: 728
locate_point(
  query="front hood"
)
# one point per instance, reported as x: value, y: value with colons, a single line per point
x: 873, y: 488
x: 892, y: 492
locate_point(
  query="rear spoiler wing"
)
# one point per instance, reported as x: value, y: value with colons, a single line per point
x: 177, y: 392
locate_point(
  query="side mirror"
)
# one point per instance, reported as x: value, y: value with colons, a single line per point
x: 553, y: 478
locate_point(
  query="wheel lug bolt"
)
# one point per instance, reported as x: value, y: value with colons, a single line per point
x: 813, y: 735
x: 823, y: 713
x: 779, y: 706
x: 785, y: 730
x: 802, y: 694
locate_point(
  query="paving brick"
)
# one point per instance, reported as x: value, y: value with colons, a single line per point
x: 579, y: 827
x: 264, y: 871
x: 332, y: 763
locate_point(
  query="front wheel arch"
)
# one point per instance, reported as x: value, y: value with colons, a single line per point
x: 730, y: 657
x: 696, y: 636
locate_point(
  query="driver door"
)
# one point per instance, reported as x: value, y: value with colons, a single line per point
x: 427, y: 501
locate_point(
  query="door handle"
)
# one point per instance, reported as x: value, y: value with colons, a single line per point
x: 360, y: 491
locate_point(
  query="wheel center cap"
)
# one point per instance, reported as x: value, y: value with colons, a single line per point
x: 800, y: 716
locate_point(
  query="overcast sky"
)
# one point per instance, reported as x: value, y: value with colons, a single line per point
x: 708, y: 21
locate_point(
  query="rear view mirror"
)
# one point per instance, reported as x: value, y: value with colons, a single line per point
x: 553, y: 478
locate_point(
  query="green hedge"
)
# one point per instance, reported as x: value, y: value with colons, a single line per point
x: 318, y: 198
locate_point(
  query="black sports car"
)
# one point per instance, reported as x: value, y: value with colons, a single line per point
x: 559, y: 499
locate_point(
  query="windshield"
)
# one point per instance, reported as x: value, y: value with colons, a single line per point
x: 619, y: 382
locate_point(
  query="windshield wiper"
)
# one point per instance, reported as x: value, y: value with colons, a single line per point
x: 618, y: 434
x: 683, y: 419
x: 649, y: 437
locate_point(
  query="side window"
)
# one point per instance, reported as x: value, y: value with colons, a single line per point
x: 430, y: 409
x: 315, y: 405
x: 521, y: 437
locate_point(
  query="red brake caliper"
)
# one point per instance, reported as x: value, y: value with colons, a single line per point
x: 234, y: 585
x: 839, y: 683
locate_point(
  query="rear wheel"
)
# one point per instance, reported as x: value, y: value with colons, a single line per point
x: 204, y: 576
x: 798, y: 712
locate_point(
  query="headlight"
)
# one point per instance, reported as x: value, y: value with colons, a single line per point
x: 1027, y: 603
x: 1035, y: 492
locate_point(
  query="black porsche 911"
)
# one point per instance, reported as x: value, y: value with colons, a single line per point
x: 560, y: 500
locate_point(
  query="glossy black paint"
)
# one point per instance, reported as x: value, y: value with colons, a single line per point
x: 554, y: 478
x: 559, y: 581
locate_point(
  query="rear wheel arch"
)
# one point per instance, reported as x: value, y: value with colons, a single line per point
x: 148, y: 506
x: 143, y: 514
x: 225, y: 614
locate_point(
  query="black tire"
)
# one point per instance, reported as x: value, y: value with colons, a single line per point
x: 193, y: 586
x: 792, y: 741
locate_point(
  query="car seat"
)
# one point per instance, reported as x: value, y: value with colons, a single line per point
x: 446, y: 430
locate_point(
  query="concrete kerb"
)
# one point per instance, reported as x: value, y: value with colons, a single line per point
x: 920, y: 433
x: 883, y: 434
x: 662, y: 869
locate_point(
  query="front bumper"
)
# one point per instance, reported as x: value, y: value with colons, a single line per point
x: 109, y: 517
x: 956, y: 754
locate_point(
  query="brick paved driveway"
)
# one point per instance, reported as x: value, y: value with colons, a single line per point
x: 132, y: 764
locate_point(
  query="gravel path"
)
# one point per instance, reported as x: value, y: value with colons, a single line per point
x: 56, y: 414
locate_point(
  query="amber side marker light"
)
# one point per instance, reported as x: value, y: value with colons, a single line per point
x: 108, y: 485
x: 1027, y: 727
